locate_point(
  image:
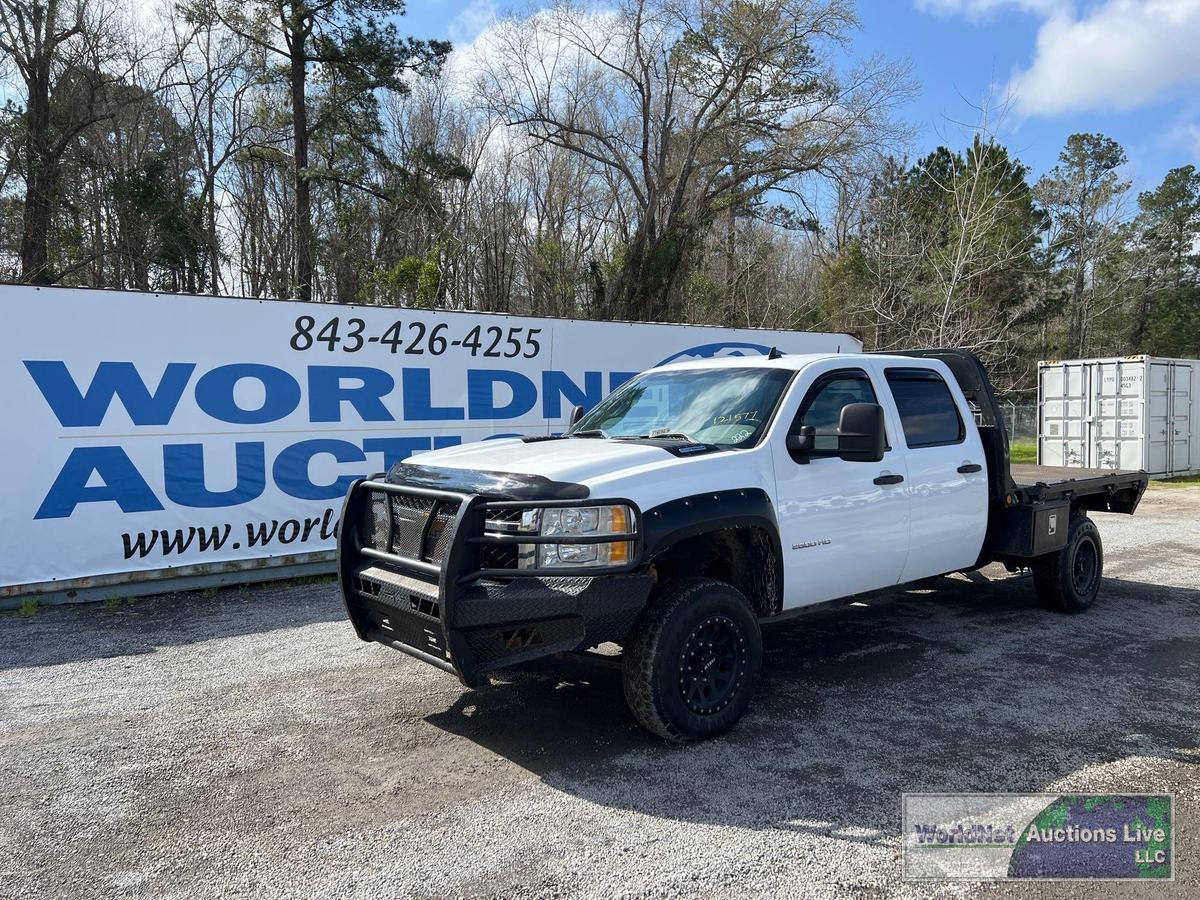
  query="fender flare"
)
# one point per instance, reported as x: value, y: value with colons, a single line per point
x: 667, y: 524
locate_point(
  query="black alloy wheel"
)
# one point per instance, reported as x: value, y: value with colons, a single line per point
x: 693, y: 659
x: 713, y: 665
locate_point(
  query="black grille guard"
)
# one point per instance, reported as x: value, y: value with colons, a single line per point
x: 460, y: 568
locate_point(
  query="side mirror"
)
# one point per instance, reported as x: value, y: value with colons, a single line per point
x: 576, y: 415
x: 860, y: 432
x: 803, y: 442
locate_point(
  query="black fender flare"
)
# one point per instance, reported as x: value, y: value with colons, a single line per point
x: 667, y: 524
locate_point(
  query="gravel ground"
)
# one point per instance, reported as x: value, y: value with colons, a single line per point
x: 244, y: 743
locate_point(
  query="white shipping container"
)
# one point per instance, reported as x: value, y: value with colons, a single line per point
x: 1134, y: 412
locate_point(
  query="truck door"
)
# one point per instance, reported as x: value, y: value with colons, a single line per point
x: 947, y: 473
x: 843, y: 525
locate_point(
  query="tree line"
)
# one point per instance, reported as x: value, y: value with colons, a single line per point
x: 713, y: 161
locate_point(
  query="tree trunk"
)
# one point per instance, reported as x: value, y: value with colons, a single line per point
x: 210, y: 199
x: 645, y: 288
x: 41, y: 180
x: 303, y: 213
x: 1141, y: 325
x: 1075, y: 336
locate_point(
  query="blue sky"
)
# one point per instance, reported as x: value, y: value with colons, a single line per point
x: 1125, y: 68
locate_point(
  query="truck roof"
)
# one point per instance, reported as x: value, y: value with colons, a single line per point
x: 790, y: 361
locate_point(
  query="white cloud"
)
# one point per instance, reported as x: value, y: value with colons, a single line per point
x: 1109, y: 55
x: 1184, y: 133
x: 473, y: 49
x: 476, y: 16
x: 1121, y: 55
x: 975, y: 9
x: 492, y: 43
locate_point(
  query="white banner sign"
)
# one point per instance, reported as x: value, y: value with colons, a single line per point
x: 150, y: 431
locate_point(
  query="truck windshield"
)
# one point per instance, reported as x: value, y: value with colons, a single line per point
x: 728, y: 407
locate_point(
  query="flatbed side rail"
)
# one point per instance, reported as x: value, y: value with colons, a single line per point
x: 1038, y: 522
x: 1113, y: 492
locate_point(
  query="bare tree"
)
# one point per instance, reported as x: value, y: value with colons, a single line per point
x: 359, y: 55
x: 992, y: 228
x: 212, y: 93
x: 691, y: 106
x: 49, y: 45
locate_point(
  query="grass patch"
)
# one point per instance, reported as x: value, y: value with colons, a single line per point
x: 311, y: 579
x: 28, y: 607
x: 1183, y: 481
x: 1022, y: 451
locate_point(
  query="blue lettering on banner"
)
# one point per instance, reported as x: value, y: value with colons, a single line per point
x: 123, y: 483
x: 112, y: 379
x: 558, y: 386
x: 214, y: 393
x: 107, y: 474
x: 291, y: 469
x: 481, y: 394
x: 418, y: 400
x: 326, y: 393
x: 183, y: 475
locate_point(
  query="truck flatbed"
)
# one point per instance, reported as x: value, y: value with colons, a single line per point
x: 1048, y: 482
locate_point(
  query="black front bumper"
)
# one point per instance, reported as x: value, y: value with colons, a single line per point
x: 429, y: 585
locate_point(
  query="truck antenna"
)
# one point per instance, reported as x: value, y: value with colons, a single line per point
x: 774, y: 353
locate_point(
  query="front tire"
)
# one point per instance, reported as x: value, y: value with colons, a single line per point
x: 1068, y: 580
x: 693, y: 661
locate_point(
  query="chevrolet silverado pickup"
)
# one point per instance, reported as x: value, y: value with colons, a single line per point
x: 701, y: 500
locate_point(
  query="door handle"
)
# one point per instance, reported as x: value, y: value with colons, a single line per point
x: 968, y: 468
x: 889, y: 479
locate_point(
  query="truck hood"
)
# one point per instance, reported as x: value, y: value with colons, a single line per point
x: 582, y: 468
x: 572, y: 460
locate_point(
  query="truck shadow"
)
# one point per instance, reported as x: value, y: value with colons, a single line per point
x: 962, y: 688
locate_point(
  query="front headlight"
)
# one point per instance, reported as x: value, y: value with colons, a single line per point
x: 597, y: 522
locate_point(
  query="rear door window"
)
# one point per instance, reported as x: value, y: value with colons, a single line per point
x: 927, y: 408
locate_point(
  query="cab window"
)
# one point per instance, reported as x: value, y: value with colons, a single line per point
x: 927, y: 408
x: 822, y: 406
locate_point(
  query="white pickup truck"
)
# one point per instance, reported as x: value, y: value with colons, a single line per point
x: 701, y: 500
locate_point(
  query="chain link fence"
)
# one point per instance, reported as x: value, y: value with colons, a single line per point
x: 1020, y: 417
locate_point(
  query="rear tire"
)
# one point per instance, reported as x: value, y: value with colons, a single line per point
x: 1068, y: 580
x: 693, y: 661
